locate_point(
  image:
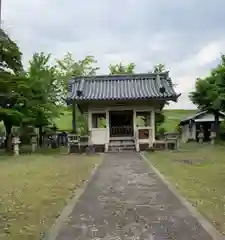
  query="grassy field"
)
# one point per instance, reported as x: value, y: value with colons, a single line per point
x: 64, y: 122
x: 35, y: 188
x: 198, y: 172
x: 173, y: 117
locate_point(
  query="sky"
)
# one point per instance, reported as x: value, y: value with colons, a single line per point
x: 187, y: 36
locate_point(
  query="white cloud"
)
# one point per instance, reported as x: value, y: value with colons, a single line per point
x: 210, y: 52
x: 197, y: 65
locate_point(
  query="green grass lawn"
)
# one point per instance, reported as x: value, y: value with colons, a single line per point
x: 173, y: 117
x: 35, y: 188
x: 64, y: 122
x: 202, y: 183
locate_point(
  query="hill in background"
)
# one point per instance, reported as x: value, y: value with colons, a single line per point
x: 172, y: 116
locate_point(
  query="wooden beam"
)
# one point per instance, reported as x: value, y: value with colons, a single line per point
x: 80, y: 109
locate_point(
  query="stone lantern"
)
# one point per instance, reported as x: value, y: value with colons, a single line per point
x: 16, y: 140
x: 213, y: 134
x: 190, y: 124
x: 33, y: 142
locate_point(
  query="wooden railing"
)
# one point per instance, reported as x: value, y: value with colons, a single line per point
x: 123, y: 131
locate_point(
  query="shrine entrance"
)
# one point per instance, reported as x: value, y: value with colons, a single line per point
x: 121, y: 123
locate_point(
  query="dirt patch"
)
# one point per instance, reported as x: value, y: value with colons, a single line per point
x: 190, y: 161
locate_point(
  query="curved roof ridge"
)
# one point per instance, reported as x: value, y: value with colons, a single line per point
x: 125, y: 75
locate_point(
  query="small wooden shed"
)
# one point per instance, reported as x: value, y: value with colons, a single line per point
x: 190, y: 126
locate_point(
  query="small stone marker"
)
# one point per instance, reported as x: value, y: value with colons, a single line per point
x: 16, y: 142
x: 212, y: 137
x: 200, y: 136
x: 33, y: 143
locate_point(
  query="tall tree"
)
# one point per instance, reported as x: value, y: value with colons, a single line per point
x: 68, y: 67
x: 159, y: 116
x: 13, y: 86
x: 121, y: 68
x: 209, y: 93
x: 45, y: 92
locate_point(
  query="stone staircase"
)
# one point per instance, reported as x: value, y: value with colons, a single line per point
x: 121, y: 145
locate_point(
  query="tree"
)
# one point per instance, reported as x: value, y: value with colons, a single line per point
x: 3, y: 34
x: 209, y: 93
x: 121, y: 68
x: 159, y: 116
x: 159, y: 119
x: 159, y: 68
x: 13, y: 86
x: 45, y: 92
x: 68, y: 67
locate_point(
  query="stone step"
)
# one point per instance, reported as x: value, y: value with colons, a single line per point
x: 121, y: 148
x: 121, y: 143
x: 121, y: 138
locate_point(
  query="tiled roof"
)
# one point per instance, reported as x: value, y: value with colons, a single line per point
x: 197, y: 115
x: 122, y: 87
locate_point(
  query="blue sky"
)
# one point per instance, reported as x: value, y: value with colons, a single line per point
x: 187, y: 36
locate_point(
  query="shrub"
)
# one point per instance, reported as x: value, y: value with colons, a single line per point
x: 161, y: 131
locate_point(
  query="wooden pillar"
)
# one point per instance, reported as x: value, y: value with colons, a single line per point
x: 134, y: 120
x: 153, y: 124
x: 135, y: 130
x: 89, y: 120
x: 74, y: 117
x: 108, y: 131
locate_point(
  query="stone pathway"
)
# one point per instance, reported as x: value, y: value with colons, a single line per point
x: 126, y: 200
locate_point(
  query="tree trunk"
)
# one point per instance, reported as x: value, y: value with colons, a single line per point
x: 8, y: 141
x: 217, y: 123
x: 40, y: 136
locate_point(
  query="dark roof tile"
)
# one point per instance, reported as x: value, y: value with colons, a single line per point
x: 197, y: 115
x: 122, y: 87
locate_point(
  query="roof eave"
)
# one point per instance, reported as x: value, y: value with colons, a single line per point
x: 194, y: 117
x: 174, y: 98
x: 170, y: 98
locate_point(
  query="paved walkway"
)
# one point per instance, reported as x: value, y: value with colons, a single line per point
x: 126, y: 200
